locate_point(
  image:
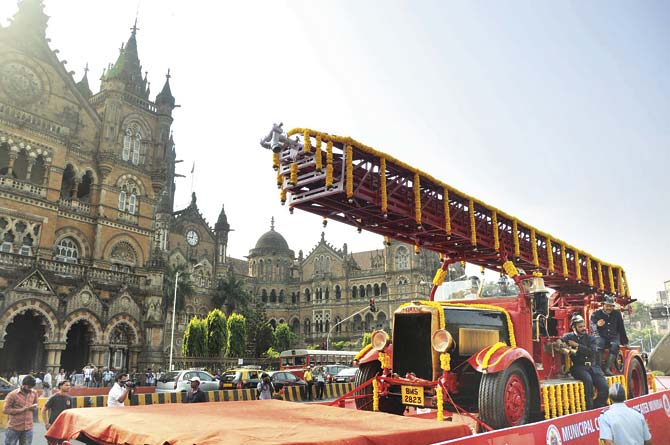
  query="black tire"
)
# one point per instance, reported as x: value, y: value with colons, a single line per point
x: 636, y: 379
x: 388, y: 404
x: 504, y: 398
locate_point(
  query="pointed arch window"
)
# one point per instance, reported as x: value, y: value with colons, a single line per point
x: 67, y: 250
x: 127, y: 143
x: 134, y: 149
x: 122, y: 199
x: 402, y: 258
x: 132, y: 201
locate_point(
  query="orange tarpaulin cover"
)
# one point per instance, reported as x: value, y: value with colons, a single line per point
x: 265, y: 422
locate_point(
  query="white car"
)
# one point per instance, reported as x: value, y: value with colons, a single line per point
x: 180, y: 381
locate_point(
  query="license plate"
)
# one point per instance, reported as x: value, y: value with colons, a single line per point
x: 412, y: 395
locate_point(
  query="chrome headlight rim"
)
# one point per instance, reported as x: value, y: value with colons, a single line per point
x: 379, y: 340
x: 442, y: 341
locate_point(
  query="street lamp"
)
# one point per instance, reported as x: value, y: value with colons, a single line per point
x: 174, y: 310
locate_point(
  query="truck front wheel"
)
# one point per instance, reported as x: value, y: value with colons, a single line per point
x: 504, y: 398
x: 388, y: 404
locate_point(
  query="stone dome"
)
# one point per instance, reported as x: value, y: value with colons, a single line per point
x: 272, y: 240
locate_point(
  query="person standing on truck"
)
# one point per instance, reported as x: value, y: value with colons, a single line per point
x: 620, y: 424
x: 607, y: 326
x: 584, y: 367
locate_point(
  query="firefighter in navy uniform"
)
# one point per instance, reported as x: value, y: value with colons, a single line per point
x: 607, y: 326
x: 583, y: 351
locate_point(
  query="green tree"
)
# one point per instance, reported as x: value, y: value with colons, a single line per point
x: 367, y: 339
x: 265, y: 338
x: 184, y: 286
x: 271, y: 353
x: 237, y: 335
x: 231, y: 295
x: 217, y: 332
x: 285, y: 337
x: 195, y: 338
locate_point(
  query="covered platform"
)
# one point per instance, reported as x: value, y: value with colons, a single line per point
x: 270, y: 422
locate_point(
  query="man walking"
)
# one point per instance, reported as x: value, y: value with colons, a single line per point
x: 20, y: 405
x: 583, y: 366
x: 58, y: 403
x: 607, y: 326
x: 620, y: 424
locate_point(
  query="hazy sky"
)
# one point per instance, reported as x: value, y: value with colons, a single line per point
x: 556, y: 112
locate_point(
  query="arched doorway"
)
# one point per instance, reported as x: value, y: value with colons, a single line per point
x: 24, y: 344
x: 77, y: 347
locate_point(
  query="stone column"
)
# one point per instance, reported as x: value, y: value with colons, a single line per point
x: 54, y: 351
x: 134, y: 353
x: 75, y: 185
x: 97, y: 355
x: 13, y: 154
x: 29, y: 167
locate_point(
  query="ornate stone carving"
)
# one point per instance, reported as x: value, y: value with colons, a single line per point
x: 34, y: 282
x: 21, y: 82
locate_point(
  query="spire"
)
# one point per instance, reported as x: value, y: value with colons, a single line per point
x: 272, y: 224
x: 82, y: 85
x: 31, y: 17
x: 222, y: 222
x: 165, y: 96
x: 127, y: 67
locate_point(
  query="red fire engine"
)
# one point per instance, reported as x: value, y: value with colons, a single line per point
x: 493, y: 355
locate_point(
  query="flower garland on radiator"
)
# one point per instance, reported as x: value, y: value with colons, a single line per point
x: 510, y: 326
x: 382, y: 185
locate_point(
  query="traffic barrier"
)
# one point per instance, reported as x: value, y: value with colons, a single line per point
x: 289, y: 393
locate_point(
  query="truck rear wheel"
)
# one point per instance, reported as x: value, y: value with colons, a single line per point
x: 636, y: 379
x: 387, y: 404
x: 504, y: 398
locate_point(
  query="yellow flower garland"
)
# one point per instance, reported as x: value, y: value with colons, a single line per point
x: 329, y: 164
x: 440, y: 276
x: 473, y: 224
x: 564, y: 261
x: 375, y: 395
x: 573, y: 405
x: 308, y: 142
x: 417, y: 199
x: 445, y: 361
x: 533, y: 246
x: 589, y: 270
x: 362, y: 352
x: 350, y: 171
x: 385, y: 360
x: 282, y: 195
x: 435, y: 305
x: 620, y: 282
x: 610, y: 273
x: 552, y: 400
x: 318, y: 154
x: 625, y: 281
x: 294, y: 174
x: 496, y: 235
x: 275, y: 161
x: 566, y: 400
x: 510, y: 269
x: 492, y: 350
x: 578, y: 266
x: 559, y: 401
x: 601, y: 284
x: 440, y: 403
x: 387, y: 240
x: 550, y: 255
x: 515, y: 237
x: 510, y: 326
x: 447, y: 212
x: 582, y: 395
x: 280, y: 179
x: 545, y: 400
x: 382, y: 185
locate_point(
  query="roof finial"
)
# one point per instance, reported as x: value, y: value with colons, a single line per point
x: 134, y: 29
x: 86, y: 70
x: 167, y: 76
x: 272, y: 224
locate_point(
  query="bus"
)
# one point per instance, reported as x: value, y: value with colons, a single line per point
x: 296, y: 360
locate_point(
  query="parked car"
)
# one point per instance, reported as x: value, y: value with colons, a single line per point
x: 240, y: 378
x: 179, y: 381
x: 332, y: 370
x: 5, y: 388
x: 346, y: 375
x: 280, y: 379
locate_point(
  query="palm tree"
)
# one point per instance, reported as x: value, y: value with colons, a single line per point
x: 184, y: 286
x: 231, y: 295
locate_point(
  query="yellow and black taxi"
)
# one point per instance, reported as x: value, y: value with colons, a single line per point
x: 240, y: 378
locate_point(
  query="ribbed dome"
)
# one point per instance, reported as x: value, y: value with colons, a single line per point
x: 272, y: 240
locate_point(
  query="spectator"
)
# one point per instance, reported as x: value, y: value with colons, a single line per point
x: 607, y: 326
x: 47, y: 384
x: 60, y: 377
x: 107, y: 377
x: 310, y: 382
x: 196, y: 395
x: 120, y: 391
x: 150, y: 378
x: 620, y: 424
x: 265, y: 387
x: 14, y: 379
x: 58, y: 403
x: 320, y: 378
x: 20, y: 404
x: 88, y: 376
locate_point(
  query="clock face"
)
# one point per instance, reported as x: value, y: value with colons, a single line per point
x: 192, y: 237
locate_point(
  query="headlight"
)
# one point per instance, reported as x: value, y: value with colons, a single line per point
x: 442, y: 341
x: 379, y: 340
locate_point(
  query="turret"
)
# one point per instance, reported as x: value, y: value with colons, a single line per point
x: 221, y: 229
x: 82, y: 85
x: 30, y: 18
x: 127, y: 70
x: 165, y: 100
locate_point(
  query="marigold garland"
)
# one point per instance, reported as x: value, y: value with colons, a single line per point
x: 294, y: 174
x: 445, y: 361
x: 566, y: 399
x: 375, y: 395
x: 510, y: 326
x: 350, y: 171
x: 329, y: 164
x: 571, y: 392
x: 362, y: 352
x: 492, y: 350
x: 601, y: 284
x: 582, y: 395
x: 447, y: 212
x: 564, y: 260
x: 510, y: 269
x: 440, y: 403
x: 619, y: 277
x: 625, y: 281
x: 417, y: 199
x: 282, y: 195
x: 559, y: 401
x: 550, y: 255
x: 385, y: 360
x: 496, y: 235
x: 610, y: 274
x: 440, y: 276
x: 589, y: 270
x: 533, y: 247
x: 275, y: 161
x: 545, y: 401
x: 280, y: 179
x: 308, y: 142
x: 318, y: 154
x: 382, y: 185
x: 435, y: 305
x: 578, y: 266
x: 473, y: 224
x: 515, y: 237
x: 552, y: 400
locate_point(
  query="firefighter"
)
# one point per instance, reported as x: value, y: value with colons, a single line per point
x: 607, y: 326
x: 584, y: 368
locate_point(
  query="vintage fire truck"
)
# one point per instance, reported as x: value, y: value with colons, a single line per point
x: 492, y: 357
